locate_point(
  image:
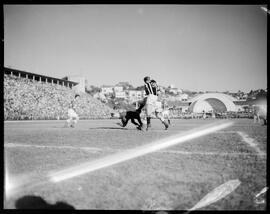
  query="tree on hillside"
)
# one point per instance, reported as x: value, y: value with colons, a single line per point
x: 125, y: 85
x: 140, y: 88
x: 120, y: 103
x: 92, y: 90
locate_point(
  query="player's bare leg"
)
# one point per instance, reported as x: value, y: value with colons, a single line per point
x: 74, y: 121
x: 161, y: 118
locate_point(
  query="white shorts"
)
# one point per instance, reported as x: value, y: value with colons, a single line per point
x: 158, y: 107
x: 151, y: 99
x: 152, y: 105
x: 72, y: 113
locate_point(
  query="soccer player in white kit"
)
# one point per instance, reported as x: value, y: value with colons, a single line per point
x: 72, y: 115
x: 151, y: 105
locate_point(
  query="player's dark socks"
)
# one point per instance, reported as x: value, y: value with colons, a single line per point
x: 166, y: 125
x: 148, y: 119
x: 169, y: 122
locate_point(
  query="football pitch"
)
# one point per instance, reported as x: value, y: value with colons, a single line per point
x: 173, y: 178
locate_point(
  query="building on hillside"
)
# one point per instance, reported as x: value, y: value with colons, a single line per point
x: 173, y: 90
x: 100, y: 96
x: 244, y: 96
x: 118, y: 88
x: 88, y: 87
x: 107, y: 89
x: 183, y: 97
x: 120, y: 94
x: 125, y: 85
x: 250, y: 105
x: 162, y: 89
x: 134, y: 95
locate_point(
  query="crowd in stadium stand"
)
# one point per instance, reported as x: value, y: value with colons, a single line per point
x: 28, y: 99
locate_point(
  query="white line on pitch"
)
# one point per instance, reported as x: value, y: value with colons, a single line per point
x: 92, y: 149
x: 225, y: 132
x: 32, y: 121
x: 95, y: 150
x: 76, y: 170
x: 206, y: 153
x: 251, y: 142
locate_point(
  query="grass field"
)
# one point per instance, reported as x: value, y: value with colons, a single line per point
x: 175, y: 178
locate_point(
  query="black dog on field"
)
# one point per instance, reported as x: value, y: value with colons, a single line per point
x: 131, y: 115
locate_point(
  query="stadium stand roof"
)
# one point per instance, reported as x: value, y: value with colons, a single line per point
x: 39, y: 77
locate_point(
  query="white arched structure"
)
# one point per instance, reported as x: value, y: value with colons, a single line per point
x: 209, y: 101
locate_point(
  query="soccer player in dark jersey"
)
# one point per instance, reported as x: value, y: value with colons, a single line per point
x: 152, y: 90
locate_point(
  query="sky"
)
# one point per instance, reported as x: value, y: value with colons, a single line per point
x: 194, y: 47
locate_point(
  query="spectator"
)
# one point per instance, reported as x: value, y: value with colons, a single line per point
x: 28, y: 99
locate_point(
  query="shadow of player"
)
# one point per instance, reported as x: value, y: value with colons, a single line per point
x: 109, y: 128
x: 36, y: 202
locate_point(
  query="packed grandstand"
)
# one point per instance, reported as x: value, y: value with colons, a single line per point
x: 26, y: 99
x: 29, y: 96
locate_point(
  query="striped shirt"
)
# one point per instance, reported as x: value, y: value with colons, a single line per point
x: 151, y: 88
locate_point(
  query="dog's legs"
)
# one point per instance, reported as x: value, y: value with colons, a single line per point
x: 140, y: 121
x: 133, y: 121
x: 125, y: 121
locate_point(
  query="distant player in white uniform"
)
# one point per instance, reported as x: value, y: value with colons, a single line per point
x: 73, y: 117
x: 151, y: 102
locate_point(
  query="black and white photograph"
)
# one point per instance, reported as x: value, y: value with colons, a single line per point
x: 149, y: 107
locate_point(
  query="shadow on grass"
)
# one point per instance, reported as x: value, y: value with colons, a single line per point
x: 36, y: 202
x: 109, y: 128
